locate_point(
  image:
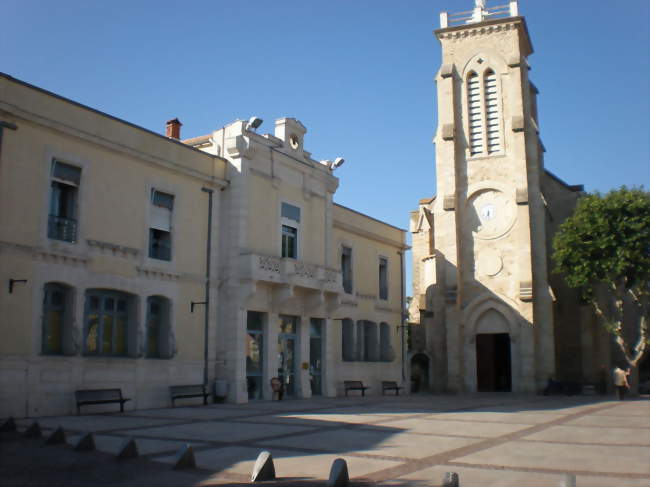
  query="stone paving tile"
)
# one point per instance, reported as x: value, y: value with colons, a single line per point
x: 194, y: 413
x: 389, y: 442
x: 526, y: 418
x: 331, y: 417
x: 240, y: 460
x: 485, y: 477
x: 314, y: 421
x: 636, y: 408
x: 217, y: 431
x: 454, y: 428
x: 111, y: 444
x: 96, y: 422
x: 593, y: 458
x: 576, y: 434
x: 621, y: 421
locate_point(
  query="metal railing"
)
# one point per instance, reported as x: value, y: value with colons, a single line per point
x: 60, y: 228
x: 479, y: 14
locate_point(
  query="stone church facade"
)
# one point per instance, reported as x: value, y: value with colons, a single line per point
x: 491, y: 315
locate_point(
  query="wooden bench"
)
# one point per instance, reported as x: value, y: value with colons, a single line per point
x: 354, y: 385
x: 194, y: 390
x: 99, y: 396
x: 389, y: 385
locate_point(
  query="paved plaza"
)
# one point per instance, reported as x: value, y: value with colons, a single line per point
x: 489, y: 439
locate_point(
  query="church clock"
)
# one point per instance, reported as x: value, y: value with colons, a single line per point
x: 492, y: 212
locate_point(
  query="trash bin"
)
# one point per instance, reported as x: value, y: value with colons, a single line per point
x: 220, y: 390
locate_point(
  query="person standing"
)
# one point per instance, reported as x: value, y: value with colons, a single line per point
x: 620, y: 382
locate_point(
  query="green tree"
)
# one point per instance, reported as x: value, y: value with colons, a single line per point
x: 604, y: 250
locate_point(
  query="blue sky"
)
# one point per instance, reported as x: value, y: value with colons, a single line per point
x: 358, y: 74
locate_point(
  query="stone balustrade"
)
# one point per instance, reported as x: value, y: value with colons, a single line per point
x: 276, y: 270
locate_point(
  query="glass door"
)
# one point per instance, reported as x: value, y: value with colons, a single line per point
x: 315, y: 356
x: 254, y: 354
x: 287, y: 354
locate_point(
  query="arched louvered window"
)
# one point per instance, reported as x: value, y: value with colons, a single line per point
x: 475, y: 114
x: 483, y: 113
x: 492, y: 112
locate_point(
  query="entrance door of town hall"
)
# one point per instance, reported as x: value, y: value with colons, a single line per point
x: 287, y: 354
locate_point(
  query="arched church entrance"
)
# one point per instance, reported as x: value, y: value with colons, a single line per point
x: 493, y: 357
x: 419, y: 373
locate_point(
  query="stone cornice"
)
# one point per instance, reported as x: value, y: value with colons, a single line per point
x: 488, y: 27
x: 58, y: 126
x: 369, y: 235
x: 114, y: 249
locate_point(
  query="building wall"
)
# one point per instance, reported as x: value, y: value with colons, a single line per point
x: 120, y: 165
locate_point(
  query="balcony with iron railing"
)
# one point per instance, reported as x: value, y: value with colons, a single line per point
x: 480, y: 13
x: 61, y: 228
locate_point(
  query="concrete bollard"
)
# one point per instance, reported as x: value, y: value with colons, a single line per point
x: 85, y: 443
x: 128, y: 449
x: 9, y: 426
x: 34, y: 431
x: 451, y: 480
x: 185, y: 458
x: 568, y: 481
x: 339, y: 476
x: 56, y: 438
x: 263, y: 468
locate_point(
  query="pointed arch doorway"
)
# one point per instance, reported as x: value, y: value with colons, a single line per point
x: 493, y: 355
x: 419, y: 373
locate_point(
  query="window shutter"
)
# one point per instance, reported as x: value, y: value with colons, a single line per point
x: 161, y: 211
x: 475, y: 114
x: 492, y: 113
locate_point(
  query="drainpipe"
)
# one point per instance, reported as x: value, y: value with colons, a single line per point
x: 207, y: 288
x: 401, y: 311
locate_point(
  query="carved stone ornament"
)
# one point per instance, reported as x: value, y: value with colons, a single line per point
x: 517, y: 123
x: 447, y: 131
x: 526, y: 290
x: 446, y: 70
x: 522, y: 196
x: 449, y: 202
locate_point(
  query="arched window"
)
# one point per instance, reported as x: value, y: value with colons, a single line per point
x: 109, y: 324
x: 158, y: 345
x: 492, y: 112
x: 370, y: 342
x: 483, y: 114
x: 57, y: 316
x: 385, y: 350
x: 475, y: 114
x: 347, y: 340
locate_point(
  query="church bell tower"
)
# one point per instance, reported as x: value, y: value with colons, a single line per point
x: 480, y: 279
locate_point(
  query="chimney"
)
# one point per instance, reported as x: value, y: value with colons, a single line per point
x: 174, y: 129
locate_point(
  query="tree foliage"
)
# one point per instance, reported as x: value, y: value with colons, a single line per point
x: 604, y: 250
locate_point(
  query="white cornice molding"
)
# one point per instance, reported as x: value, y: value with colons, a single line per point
x: 478, y: 30
x: 369, y: 235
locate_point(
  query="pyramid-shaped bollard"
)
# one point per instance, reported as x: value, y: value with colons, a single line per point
x: 184, y: 458
x: 339, y: 474
x: 264, y: 468
x: 451, y: 480
x: 9, y: 426
x: 128, y: 449
x: 568, y: 481
x: 85, y: 443
x: 56, y: 438
x: 34, y: 431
